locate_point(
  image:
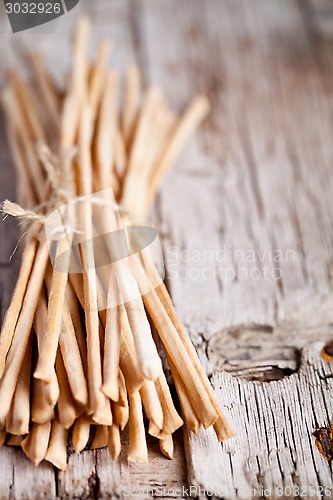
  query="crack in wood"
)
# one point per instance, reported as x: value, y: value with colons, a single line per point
x: 274, y: 444
x: 265, y: 149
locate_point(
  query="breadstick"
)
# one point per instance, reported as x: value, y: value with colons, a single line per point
x: 12, y: 314
x: 171, y: 419
x: 97, y: 398
x: 141, y: 143
x: 222, y: 422
x: 41, y: 409
x: 199, y: 398
x: 122, y: 390
x: 74, y: 310
x: 22, y: 331
x: 81, y: 432
x: 104, y: 417
x: 51, y: 388
x: 98, y: 77
x: 120, y: 163
x: 70, y: 350
x: 136, y: 188
x: 36, y: 443
x: 131, y: 101
x: 66, y: 406
x: 191, y: 118
x: 127, y: 359
x: 30, y: 131
x: 25, y: 190
x: 111, y: 352
x: 57, y: 449
x: 166, y: 446
x: 101, y: 437
x: 135, y: 319
x: 120, y: 409
x: 104, y: 148
x: 20, y: 127
x: 71, y: 107
x: 120, y: 414
x: 148, y: 359
x: 19, y: 415
x: 151, y: 403
x: 24, y: 94
x: 187, y: 410
x: 72, y: 359
x: 114, y: 443
x: 137, y: 452
x: 50, y: 100
x: 49, y: 344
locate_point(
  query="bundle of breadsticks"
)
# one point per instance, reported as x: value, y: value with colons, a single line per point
x: 80, y: 349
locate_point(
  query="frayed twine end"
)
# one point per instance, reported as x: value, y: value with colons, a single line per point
x: 15, y: 210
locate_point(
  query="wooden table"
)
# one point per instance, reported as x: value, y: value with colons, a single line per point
x: 246, y: 224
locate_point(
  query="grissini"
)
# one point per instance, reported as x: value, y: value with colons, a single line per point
x: 98, y: 355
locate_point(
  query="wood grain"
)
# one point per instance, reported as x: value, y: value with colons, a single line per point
x: 265, y: 186
x: 255, y: 182
x: 274, y: 454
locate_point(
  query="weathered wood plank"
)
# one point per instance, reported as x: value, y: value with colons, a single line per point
x: 274, y: 449
x: 165, y: 477
x: 264, y: 191
x: 257, y: 178
x: 92, y: 474
x: 20, y: 479
x: 250, y: 198
x: 79, y: 479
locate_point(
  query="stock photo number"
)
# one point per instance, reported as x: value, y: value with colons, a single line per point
x: 34, y: 8
x: 25, y: 14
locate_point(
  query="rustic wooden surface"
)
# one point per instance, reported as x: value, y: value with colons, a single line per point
x: 274, y: 454
x: 256, y: 181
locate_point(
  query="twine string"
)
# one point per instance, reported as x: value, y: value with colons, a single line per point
x: 60, y: 176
